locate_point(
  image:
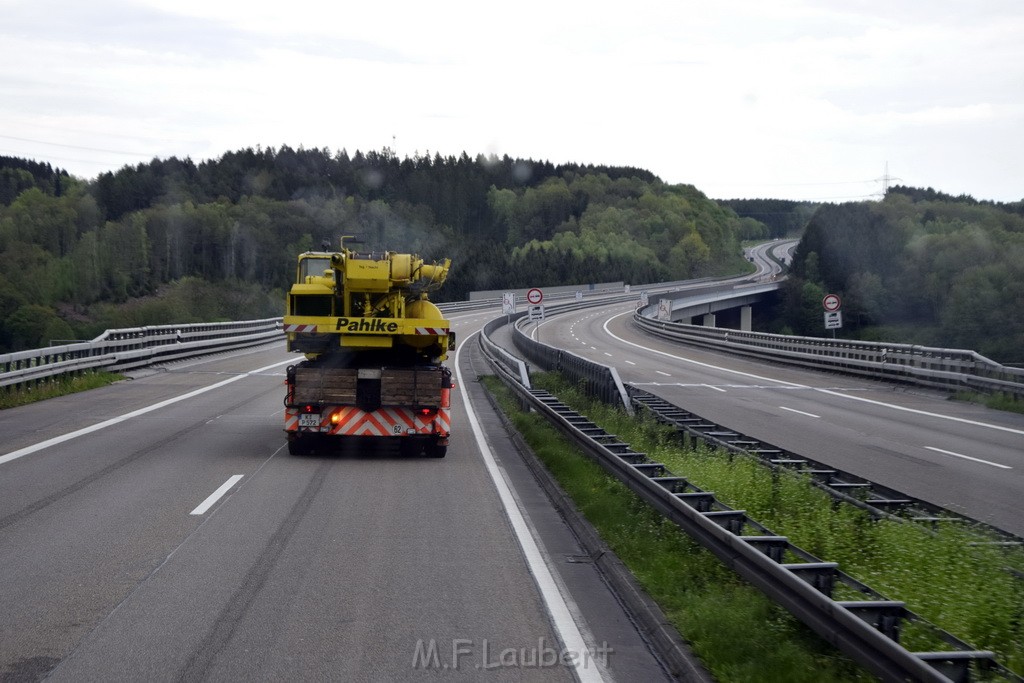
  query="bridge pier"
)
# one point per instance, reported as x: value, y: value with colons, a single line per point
x: 745, y: 318
x: 709, y: 320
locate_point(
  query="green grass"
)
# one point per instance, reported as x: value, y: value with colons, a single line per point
x: 998, y: 401
x: 61, y: 386
x: 964, y: 589
x: 738, y: 633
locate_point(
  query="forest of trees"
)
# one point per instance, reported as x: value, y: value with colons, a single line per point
x: 920, y: 267
x: 782, y: 217
x: 175, y: 241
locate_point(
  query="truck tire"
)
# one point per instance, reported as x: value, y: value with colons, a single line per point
x: 434, y: 451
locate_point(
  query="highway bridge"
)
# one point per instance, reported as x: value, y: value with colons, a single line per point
x: 157, y: 529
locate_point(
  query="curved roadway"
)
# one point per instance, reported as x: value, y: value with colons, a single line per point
x: 958, y: 455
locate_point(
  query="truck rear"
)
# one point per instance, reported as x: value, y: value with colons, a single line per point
x: 374, y: 346
x: 409, y: 404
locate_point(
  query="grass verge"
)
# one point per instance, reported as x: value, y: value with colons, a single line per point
x: 943, y: 575
x: 737, y: 633
x: 997, y: 401
x: 19, y: 396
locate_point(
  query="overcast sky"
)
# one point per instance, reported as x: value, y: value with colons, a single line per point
x: 741, y: 98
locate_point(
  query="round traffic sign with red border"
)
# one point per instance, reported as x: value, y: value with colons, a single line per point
x: 535, y: 296
x: 831, y: 302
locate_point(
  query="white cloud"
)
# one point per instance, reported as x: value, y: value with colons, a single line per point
x: 739, y: 98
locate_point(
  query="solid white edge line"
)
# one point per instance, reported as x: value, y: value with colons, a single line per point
x: 584, y: 663
x: 216, y: 495
x: 973, y: 423
x: 14, y: 455
x: 800, y: 412
x: 967, y: 457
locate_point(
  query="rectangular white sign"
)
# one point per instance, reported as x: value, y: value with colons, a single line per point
x: 665, y: 310
x: 508, y: 303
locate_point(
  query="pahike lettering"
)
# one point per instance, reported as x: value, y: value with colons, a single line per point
x: 371, y: 325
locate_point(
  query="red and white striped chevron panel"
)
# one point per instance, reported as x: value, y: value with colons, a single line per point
x: 351, y: 421
x: 300, y: 328
x: 432, y: 330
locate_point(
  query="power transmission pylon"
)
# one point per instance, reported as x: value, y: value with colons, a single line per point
x: 886, y: 179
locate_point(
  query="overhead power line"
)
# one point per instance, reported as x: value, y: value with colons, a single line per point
x: 88, y: 149
x: 836, y: 182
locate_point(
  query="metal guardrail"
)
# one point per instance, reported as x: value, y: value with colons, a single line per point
x: 879, y: 501
x: 131, y: 348
x: 867, y: 628
x: 598, y: 380
x: 135, y: 347
x: 949, y: 369
x: 511, y: 363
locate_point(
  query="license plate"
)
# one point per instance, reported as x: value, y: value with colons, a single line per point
x: 309, y: 420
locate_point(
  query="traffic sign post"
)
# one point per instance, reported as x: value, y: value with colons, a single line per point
x: 533, y: 297
x: 833, y: 316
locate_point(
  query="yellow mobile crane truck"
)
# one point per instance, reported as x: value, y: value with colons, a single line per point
x: 374, y: 347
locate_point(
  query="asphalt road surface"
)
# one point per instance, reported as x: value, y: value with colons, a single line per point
x: 157, y: 529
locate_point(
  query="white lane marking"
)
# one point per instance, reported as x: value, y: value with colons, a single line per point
x: 793, y: 385
x: 663, y: 373
x: 967, y: 457
x: 607, y: 354
x: 712, y: 386
x: 14, y: 455
x: 561, y: 616
x: 216, y: 495
x: 800, y: 412
x: 951, y: 418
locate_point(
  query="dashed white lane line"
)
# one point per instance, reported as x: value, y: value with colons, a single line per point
x: 800, y: 412
x: 216, y: 495
x: 783, y: 383
x: 967, y: 457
